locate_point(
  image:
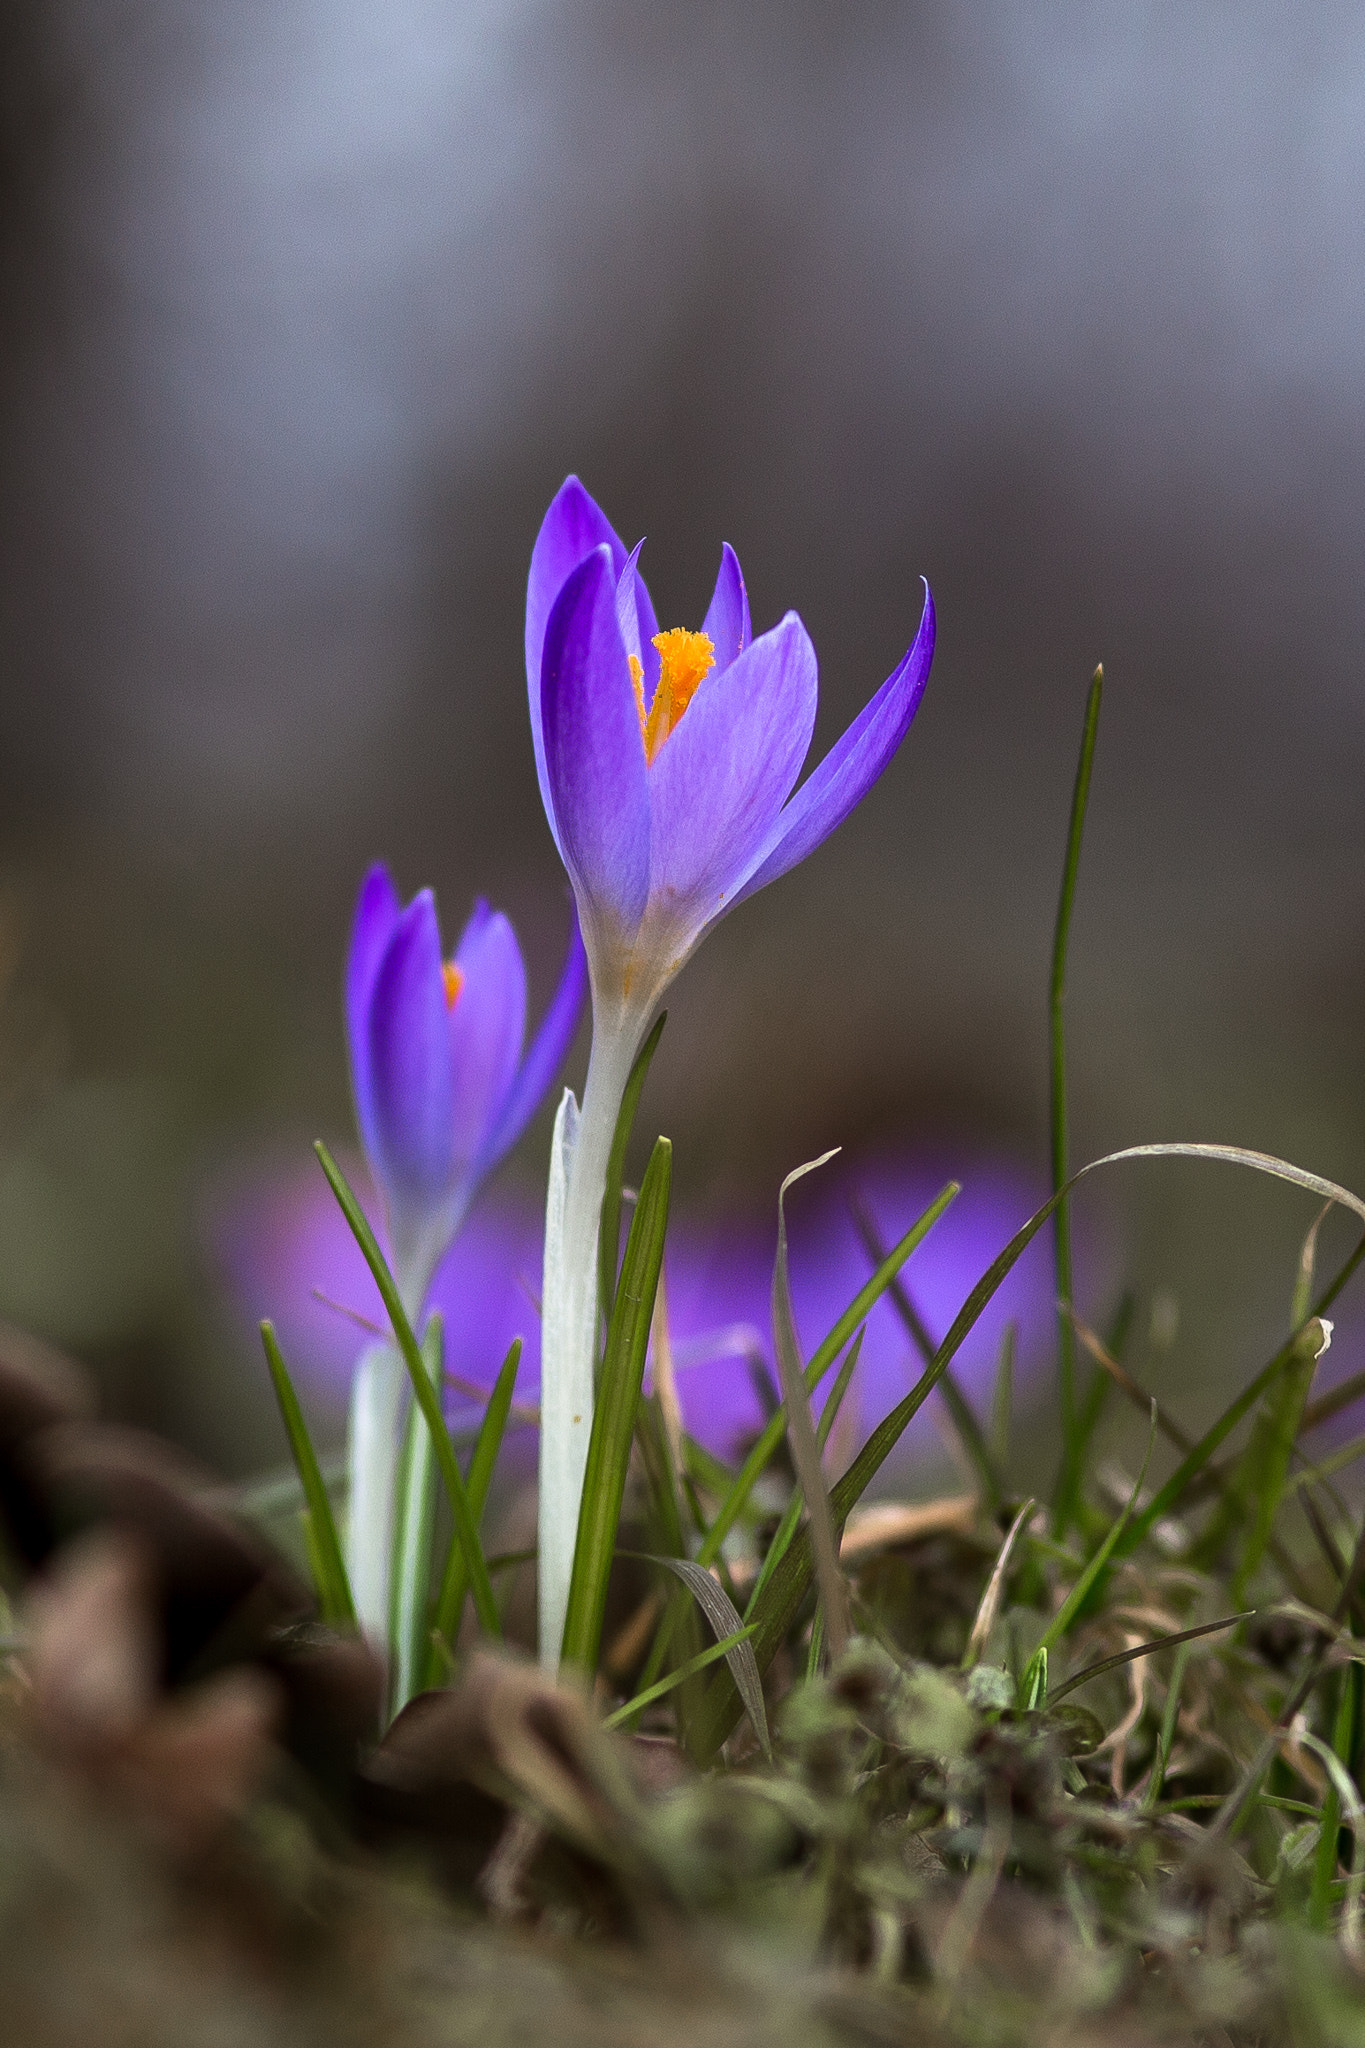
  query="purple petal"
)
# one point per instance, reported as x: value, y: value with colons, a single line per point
x: 726, y: 623
x: 574, y: 525
x: 487, y: 1027
x: 594, y: 755
x: 723, y: 774
x: 635, y: 616
x: 851, y: 766
x: 549, y: 1050
x: 376, y: 913
x: 409, y: 1040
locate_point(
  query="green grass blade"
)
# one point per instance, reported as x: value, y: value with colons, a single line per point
x: 613, y: 1422
x: 805, y: 1452
x: 455, y: 1575
x: 644, y: 1699
x: 1325, y: 1863
x: 716, y: 1604
x: 1166, y: 1739
x: 1167, y: 1497
x: 609, y: 1233
x: 786, y: 1528
x: 1076, y: 1598
x: 1033, y: 1684
x: 1002, y: 1398
x: 334, y: 1588
x: 1069, y: 1475
x: 760, y: 1454
x: 1121, y: 1657
x: 960, y: 1411
x: 424, y: 1393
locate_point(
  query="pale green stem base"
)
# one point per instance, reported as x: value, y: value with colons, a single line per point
x: 377, y: 1399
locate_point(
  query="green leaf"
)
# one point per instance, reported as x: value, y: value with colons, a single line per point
x: 609, y: 1233
x: 801, y: 1434
x: 455, y: 1576
x: 1068, y: 1478
x: 1185, y: 1635
x: 1033, y: 1684
x: 1076, y: 1598
x: 719, y: 1609
x: 613, y: 1422
x: 786, y: 1528
x: 334, y: 1588
x: 960, y: 1411
x: 733, y: 1505
x: 428, y: 1400
x: 724, y: 1648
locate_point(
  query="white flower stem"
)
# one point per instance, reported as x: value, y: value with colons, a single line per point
x: 379, y: 1400
x: 377, y: 1396
x: 568, y: 1328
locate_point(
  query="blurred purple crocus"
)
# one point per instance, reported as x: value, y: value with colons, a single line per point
x: 443, y: 1085
x: 667, y: 765
x: 442, y: 1091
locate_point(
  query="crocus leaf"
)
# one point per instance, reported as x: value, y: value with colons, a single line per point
x: 455, y: 1577
x: 423, y: 1392
x: 413, y: 1523
x: 334, y: 1590
x: 613, y: 1422
x: 609, y: 1233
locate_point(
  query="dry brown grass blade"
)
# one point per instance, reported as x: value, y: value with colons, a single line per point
x: 995, y: 1588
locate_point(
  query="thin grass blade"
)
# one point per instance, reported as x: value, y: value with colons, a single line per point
x: 679, y: 1676
x: 736, y: 1498
x: 455, y: 1575
x: 424, y: 1393
x: 787, y: 1527
x: 720, y: 1611
x: 801, y: 1432
x: 1076, y: 1598
x: 960, y: 1411
x: 995, y: 1588
x: 1185, y: 1635
x: 334, y: 1588
x: 1068, y: 1479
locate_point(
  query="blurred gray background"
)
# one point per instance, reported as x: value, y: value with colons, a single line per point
x: 307, y: 309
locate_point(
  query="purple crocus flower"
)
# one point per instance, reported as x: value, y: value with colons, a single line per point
x: 442, y: 1085
x: 667, y: 760
x: 667, y: 765
x: 442, y: 1091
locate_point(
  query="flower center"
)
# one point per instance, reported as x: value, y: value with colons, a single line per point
x: 684, y: 660
x: 452, y: 980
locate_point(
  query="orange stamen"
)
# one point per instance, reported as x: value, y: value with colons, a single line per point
x: 452, y: 979
x: 685, y: 660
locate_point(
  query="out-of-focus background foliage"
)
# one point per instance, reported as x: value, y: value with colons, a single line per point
x: 308, y: 307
